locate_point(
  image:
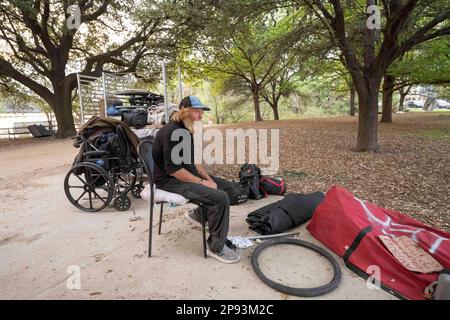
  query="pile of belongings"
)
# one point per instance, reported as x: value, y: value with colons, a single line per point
x: 112, y: 109
x: 135, y: 118
x: 157, y: 114
x: 287, y: 213
x: 137, y: 97
x: 146, y: 99
x: 97, y: 129
x: 146, y: 134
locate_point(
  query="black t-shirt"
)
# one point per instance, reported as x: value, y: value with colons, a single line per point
x: 162, y: 151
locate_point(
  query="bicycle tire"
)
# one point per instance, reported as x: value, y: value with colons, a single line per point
x: 301, y: 292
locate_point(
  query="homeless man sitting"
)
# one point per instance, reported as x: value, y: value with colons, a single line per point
x: 191, y: 180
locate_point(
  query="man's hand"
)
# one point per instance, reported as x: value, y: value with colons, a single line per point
x: 186, y: 176
x: 212, y: 181
x: 209, y: 183
x: 202, y: 172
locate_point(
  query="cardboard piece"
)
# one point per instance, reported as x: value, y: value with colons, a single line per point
x: 410, y: 255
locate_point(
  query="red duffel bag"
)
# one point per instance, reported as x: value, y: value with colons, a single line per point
x: 350, y: 227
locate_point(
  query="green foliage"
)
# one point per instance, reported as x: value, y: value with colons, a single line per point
x: 428, y: 63
x: 443, y: 92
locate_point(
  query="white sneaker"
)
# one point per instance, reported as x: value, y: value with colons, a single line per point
x: 226, y: 255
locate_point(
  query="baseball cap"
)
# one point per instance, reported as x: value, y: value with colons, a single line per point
x: 193, y: 102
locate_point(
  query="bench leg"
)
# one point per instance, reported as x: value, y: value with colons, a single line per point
x: 150, y: 230
x: 160, y: 217
x: 204, y: 234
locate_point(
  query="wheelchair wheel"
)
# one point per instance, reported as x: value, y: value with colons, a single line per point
x: 122, y: 203
x: 88, y: 187
x: 137, y: 187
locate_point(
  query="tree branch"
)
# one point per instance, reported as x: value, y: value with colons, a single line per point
x: 32, y: 24
x: 93, y: 16
x: 102, y: 58
x: 421, y: 35
x: 7, y: 69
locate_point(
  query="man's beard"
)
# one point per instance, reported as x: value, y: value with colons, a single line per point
x: 189, y: 124
x: 184, y: 117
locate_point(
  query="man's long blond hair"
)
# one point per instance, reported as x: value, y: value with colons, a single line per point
x: 183, y: 115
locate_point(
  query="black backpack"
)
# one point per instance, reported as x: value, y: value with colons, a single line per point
x: 251, y: 174
x: 135, y: 118
x: 238, y: 192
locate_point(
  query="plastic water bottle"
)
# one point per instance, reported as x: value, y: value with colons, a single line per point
x: 443, y: 287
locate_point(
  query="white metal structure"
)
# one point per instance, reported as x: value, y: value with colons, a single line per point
x: 90, y: 93
x: 96, y: 92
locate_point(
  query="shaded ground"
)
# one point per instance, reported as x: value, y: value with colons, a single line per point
x: 42, y: 234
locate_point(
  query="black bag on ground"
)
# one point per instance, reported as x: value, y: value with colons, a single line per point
x: 251, y: 173
x: 287, y: 213
x: 39, y: 131
x: 272, y: 186
x: 237, y: 192
x: 135, y: 118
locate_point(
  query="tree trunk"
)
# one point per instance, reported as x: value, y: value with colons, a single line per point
x: 388, y: 91
x: 62, y: 107
x: 276, y: 116
x: 274, y: 106
x: 403, y: 93
x: 255, y: 93
x: 368, y: 115
x: 352, y: 101
x: 401, y: 102
x: 430, y: 104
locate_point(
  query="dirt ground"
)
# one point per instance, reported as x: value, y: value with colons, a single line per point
x: 42, y: 235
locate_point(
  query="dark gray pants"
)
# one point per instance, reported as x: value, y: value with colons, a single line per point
x: 214, y: 201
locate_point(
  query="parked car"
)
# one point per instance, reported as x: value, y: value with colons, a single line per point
x: 414, y: 104
x: 442, y: 104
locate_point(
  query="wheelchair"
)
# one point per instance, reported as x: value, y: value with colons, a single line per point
x: 104, y: 171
